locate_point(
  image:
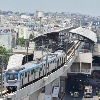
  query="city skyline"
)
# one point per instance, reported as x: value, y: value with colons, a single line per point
x: 87, y: 7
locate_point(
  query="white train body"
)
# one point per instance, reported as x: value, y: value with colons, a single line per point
x: 17, y: 77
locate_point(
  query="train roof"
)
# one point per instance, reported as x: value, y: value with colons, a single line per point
x: 35, y: 64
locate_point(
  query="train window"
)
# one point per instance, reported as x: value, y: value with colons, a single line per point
x: 35, y: 70
x: 48, y: 65
x: 51, y: 62
x: 42, y: 66
x: 7, y: 76
x: 58, y: 61
x: 25, y: 74
x: 29, y: 73
x: 62, y: 59
x: 16, y: 76
x: 32, y: 71
x: 40, y: 69
x: 11, y: 76
x: 22, y: 74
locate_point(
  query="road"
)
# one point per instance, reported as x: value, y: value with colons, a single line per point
x: 68, y: 97
x: 79, y: 80
x: 74, y: 86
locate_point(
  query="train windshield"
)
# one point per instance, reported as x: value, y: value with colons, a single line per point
x: 11, y: 76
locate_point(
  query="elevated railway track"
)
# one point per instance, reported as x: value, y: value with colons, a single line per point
x: 51, y: 76
x: 71, y: 53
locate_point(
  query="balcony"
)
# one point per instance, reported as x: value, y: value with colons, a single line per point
x: 84, y: 71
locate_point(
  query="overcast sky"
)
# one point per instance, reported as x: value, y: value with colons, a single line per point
x: 90, y: 7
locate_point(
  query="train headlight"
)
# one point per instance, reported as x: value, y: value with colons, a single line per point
x: 15, y: 80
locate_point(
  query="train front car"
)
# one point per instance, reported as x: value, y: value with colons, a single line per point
x: 11, y: 80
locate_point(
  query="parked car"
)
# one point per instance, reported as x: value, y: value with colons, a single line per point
x: 76, y: 94
x: 98, y: 95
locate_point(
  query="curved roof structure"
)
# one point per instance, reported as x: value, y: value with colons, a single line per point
x: 85, y: 32
x: 52, y: 31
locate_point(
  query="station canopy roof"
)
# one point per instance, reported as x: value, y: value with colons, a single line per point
x: 85, y: 32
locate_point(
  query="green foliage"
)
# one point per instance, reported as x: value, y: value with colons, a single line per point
x: 6, y: 54
x: 31, y: 37
x: 98, y: 94
x: 21, y: 41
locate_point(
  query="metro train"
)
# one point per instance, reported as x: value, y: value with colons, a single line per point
x: 17, y: 77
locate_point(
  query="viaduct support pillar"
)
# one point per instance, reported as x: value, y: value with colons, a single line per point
x: 52, y: 90
x: 35, y: 95
x: 48, y: 92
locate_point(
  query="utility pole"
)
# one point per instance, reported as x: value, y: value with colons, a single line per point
x: 2, y: 67
x: 26, y: 38
x: 42, y: 45
x: 40, y: 16
x: 27, y: 44
x: 40, y: 25
x: 66, y: 47
x: 80, y: 23
x: 0, y: 20
x: 46, y: 60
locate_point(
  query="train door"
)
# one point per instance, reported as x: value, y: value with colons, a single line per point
x: 28, y: 76
x: 22, y: 81
x: 22, y: 76
x: 58, y: 63
x: 55, y: 63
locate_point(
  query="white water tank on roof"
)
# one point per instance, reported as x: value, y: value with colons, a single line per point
x: 40, y: 14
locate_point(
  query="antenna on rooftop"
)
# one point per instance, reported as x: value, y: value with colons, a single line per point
x: 80, y: 23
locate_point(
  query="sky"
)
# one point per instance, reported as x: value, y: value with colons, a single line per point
x: 90, y: 7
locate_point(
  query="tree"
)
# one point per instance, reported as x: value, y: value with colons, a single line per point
x: 21, y: 41
x: 6, y: 54
x: 31, y: 37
